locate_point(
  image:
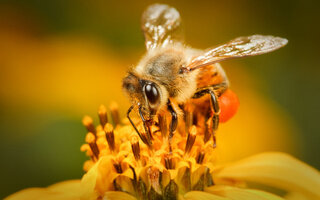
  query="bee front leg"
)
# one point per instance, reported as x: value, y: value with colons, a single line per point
x: 174, y: 119
x: 143, y: 138
x: 130, y: 120
x: 146, y: 125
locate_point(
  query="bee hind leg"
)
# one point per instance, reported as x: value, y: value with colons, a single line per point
x: 213, y: 91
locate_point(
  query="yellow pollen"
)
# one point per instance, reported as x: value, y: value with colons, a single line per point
x: 135, y: 147
x: 108, y: 129
x: 191, y: 139
x: 91, y: 140
x: 88, y: 123
x: 103, y: 117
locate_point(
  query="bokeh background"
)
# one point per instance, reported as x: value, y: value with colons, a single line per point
x: 60, y: 60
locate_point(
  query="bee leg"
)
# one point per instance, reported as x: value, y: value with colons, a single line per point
x: 174, y: 119
x: 145, y: 126
x: 134, y: 126
x: 216, y: 109
x: 215, y: 117
x: 214, y: 91
x: 214, y: 104
x: 130, y: 120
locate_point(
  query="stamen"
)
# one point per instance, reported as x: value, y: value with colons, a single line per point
x: 200, y: 156
x: 108, y: 129
x: 169, y: 164
x: 191, y: 139
x: 134, y: 173
x: 88, y: 123
x: 163, y: 125
x: 188, y: 116
x: 114, y: 108
x: 164, y: 152
x: 118, y: 167
x: 91, y: 140
x: 103, y: 117
x: 135, y: 147
x: 154, y: 179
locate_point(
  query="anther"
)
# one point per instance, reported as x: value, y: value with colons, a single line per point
x: 118, y: 167
x: 108, y: 129
x: 163, y: 125
x: 135, y: 147
x: 134, y: 173
x: 154, y: 179
x: 91, y: 140
x: 191, y: 139
x: 188, y: 116
x: 200, y: 157
x: 115, y: 113
x: 103, y: 117
x: 88, y: 123
x: 168, y: 161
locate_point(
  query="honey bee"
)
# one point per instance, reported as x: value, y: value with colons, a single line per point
x: 171, y: 72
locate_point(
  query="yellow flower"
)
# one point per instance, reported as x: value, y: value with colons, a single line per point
x: 126, y: 166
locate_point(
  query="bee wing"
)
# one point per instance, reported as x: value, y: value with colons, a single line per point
x: 161, y: 25
x: 237, y: 48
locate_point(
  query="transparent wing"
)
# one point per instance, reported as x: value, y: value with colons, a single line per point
x: 161, y: 25
x: 239, y: 47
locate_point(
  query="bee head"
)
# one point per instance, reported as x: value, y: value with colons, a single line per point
x: 145, y: 93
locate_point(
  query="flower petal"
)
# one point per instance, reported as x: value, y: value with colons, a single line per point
x: 241, y: 194
x: 88, y: 183
x: 67, y: 190
x: 112, y: 195
x: 295, y: 196
x: 30, y: 193
x: 274, y: 169
x: 70, y: 186
x: 98, y: 179
x: 198, y: 195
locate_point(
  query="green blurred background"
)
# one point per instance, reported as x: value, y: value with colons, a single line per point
x: 61, y: 59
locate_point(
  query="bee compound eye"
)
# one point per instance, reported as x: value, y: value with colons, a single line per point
x: 152, y: 93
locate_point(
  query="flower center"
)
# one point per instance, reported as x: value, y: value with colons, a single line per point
x: 165, y: 167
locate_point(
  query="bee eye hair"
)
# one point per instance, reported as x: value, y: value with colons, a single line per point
x: 152, y: 93
x: 129, y: 87
x: 130, y: 83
